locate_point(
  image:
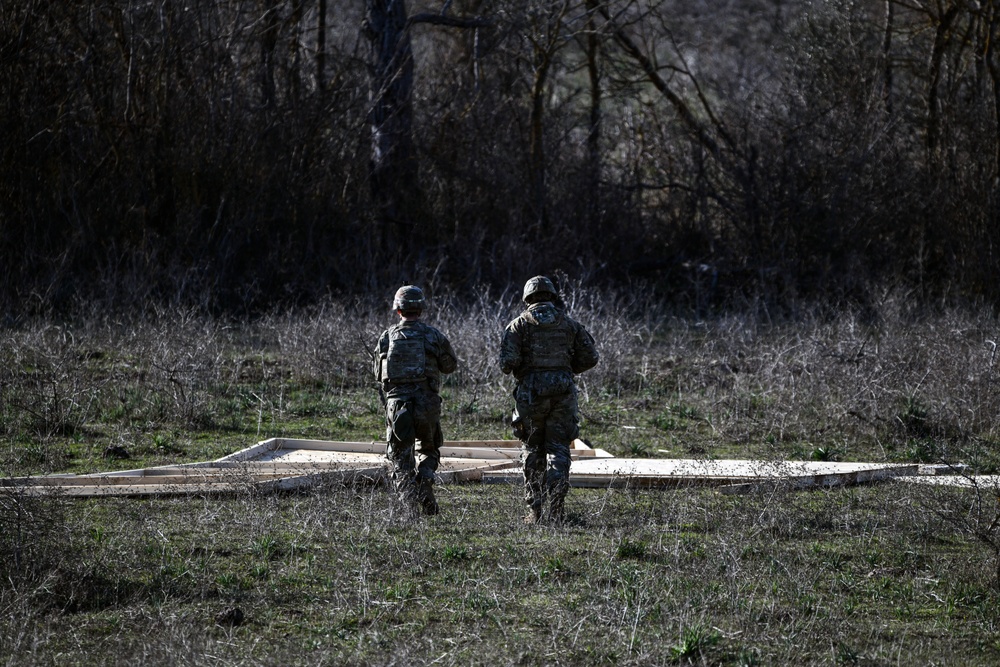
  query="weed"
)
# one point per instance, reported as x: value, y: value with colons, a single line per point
x: 825, y: 454
x: 267, y: 547
x: 637, y: 450
x: 455, y: 553
x: 694, y: 641
x: 665, y: 421
x: 632, y: 549
x: 914, y: 417
x: 553, y: 567
x: 401, y: 591
x: 922, y: 450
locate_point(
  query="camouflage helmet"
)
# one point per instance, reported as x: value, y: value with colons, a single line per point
x: 408, y: 297
x: 537, y: 285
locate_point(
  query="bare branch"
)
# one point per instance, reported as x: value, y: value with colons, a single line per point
x: 653, y: 74
x: 448, y: 21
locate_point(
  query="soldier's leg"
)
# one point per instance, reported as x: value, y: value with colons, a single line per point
x: 428, y: 449
x: 400, y: 438
x: 562, y: 429
x: 428, y: 457
x: 429, y: 438
x: 529, y: 427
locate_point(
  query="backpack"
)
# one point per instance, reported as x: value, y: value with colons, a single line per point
x: 405, y: 359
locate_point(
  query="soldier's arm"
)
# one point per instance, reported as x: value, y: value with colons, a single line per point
x: 510, y: 350
x: 585, y: 355
x: 447, y: 361
x: 380, y: 350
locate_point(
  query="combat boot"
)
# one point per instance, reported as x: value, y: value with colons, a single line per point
x: 534, y: 514
x: 425, y: 494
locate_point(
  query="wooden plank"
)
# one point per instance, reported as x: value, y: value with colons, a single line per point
x: 161, y: 487
x: 959, y: 469
x: 480, y: 453
x: 730, y: 468
x: 468, y: 470
x: 334, y: 446
x: 580, y: 449
x: 235, y: 467
x: 295, y: 462
x: 305, y: 458
x: 140, y: 472
x: 211, y: 475
x: 103, y: 490
x: 227, y: 476
x: 866, y: 476
x: 133, y: 487
x: 669, y: 473
x: 277, y: 448
x: 276, y: 444
x: 984, y: 482
x: 490, y: 444
x: 254, y: 450
x: 379, y: 447
x: 307, y: 455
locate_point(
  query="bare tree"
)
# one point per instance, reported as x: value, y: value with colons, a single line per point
x: 887, y: 54
x: 395, y: 188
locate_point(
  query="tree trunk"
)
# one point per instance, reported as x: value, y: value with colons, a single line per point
x: 886, y: 55
x: 594, y: 133
x: 393, y: 169
x: 992, y: 59
x: 270, y: 27
x: 536, y: 141
x: 936, y: 63
x: 321, y: 47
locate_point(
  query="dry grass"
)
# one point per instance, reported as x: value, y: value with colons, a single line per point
x: 876, y: 575
x: 636, y: 578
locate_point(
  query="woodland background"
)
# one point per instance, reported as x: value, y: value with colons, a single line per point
x: 235, y: 156
x: 205, y: 206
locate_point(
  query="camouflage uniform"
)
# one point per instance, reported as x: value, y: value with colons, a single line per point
x: 409, y: 361
x: 543, y: 347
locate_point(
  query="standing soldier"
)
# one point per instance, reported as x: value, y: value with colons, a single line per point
x: 409, y: 361
x: 543, y: 347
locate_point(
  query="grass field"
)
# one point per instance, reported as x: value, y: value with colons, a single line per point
x: 885, y: 574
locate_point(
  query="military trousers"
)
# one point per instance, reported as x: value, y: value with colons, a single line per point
x: 546, y: 427
x: 413, y: 438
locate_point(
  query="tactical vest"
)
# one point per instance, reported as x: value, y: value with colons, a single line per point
x: 550, y: 348
x: 405, y: 360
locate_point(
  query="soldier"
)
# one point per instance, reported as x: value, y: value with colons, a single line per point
x: 409, y: 361
x: 543, y: 347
